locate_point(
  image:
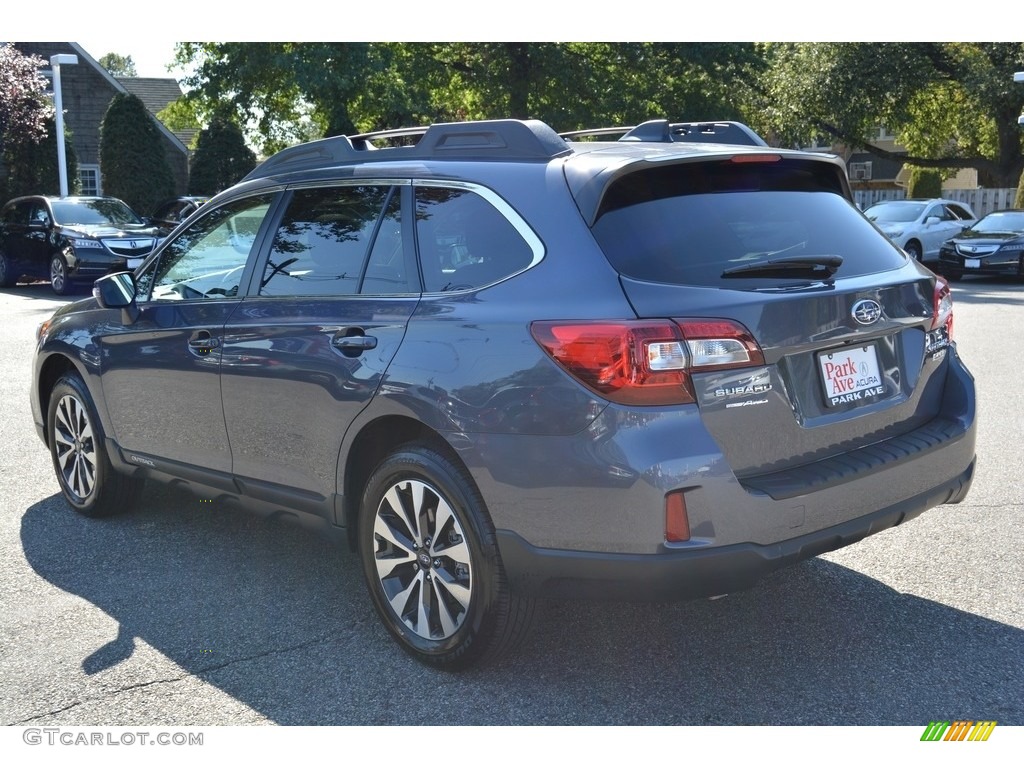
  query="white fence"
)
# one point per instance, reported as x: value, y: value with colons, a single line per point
x: 981, y: 201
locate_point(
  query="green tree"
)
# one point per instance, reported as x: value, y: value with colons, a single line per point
x: 132, y: 158
x: 118, y: 65
x: 285, y: 92
x: 32, y: 165
x: 952, y: 105
x: 221, y: 159
x: 180, y: 115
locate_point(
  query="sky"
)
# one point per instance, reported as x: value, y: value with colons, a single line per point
x: 151, y: 57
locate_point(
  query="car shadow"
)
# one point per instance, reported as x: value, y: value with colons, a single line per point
x: 42, y: 290
x: 277, y: 617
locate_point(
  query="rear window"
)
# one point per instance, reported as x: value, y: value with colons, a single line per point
x: 686, y: 224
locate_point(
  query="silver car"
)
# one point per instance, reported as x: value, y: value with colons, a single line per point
x: 920, y: 227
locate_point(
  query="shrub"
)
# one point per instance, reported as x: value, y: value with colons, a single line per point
x: 132, y: 158
x: 924, y: 182
x: 221, y: 158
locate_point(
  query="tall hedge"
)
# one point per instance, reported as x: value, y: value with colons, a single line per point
x: 221, y: 158
x: 924, y: 183
x: 32, y: 165
x: 132, y: 158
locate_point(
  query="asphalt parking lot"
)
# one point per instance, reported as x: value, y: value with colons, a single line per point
x: 187, y: 614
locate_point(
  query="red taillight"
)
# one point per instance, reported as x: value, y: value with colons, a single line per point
x: 646, y: 362
x: 677, y: 522
x: 942, y: 312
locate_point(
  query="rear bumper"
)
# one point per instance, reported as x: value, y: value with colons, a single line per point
x: 694, y: 573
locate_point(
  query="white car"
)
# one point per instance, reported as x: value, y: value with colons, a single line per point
x: 920, y: 227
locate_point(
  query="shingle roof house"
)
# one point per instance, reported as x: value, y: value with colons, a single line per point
x: 86, y: 90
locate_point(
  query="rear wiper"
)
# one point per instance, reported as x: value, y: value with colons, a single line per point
x: 816, y: 266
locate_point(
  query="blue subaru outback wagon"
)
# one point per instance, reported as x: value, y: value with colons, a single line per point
x: 507, y: 363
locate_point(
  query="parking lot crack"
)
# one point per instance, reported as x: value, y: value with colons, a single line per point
x: 195, y: 673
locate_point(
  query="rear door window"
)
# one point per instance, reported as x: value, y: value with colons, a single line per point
x: 689, y: 223
x: 959, y: 211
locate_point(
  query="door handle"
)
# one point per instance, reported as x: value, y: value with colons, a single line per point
x: 203, y: 343
x: 354, y: 342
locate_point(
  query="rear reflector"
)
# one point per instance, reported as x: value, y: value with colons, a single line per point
x: 677, y: 524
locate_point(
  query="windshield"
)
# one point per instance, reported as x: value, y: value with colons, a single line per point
x: 896, y: 211
x: 105, y: 211
x: 1001, y: 222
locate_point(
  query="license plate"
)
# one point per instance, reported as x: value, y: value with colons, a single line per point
x: 850, y: 375
x: 133, y: 262
x: 972, y: 263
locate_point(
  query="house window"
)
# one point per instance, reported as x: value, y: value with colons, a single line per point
x: 89, y: 179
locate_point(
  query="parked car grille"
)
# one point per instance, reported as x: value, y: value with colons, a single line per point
x: 976, y: 250
x: 136, y: 246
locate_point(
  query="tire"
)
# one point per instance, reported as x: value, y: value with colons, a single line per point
x: 436, y: 578
x: 87, y: 480
x: 7, y: 278
x: 59, y: 280
x: 913, y: 249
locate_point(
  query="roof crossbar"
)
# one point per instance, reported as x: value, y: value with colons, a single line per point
x: 569, y: 135
x: 717, y: 132
x: 524, y: 140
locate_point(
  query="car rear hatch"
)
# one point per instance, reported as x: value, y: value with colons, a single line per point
x: 807, y: 337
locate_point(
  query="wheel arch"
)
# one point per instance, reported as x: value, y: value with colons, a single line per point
x: 374, y: 441
x: 50, y: 372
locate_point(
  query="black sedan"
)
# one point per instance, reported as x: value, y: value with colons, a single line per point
x: 69, y: 239
x: 992, y: 246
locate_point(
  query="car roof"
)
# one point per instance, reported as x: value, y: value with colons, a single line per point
x: 589, y: 166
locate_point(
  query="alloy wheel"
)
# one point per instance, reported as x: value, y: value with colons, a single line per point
x: 75, y: 447
x: 58, y: 274
x: 422, y: 559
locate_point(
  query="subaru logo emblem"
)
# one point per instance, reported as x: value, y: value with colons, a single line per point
x: 866, y: 311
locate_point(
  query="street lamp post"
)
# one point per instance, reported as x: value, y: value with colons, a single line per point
x: 62, y: 163
x: 1018, y: 77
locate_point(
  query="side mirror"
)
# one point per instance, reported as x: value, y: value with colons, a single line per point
x: 117, y: 291
x: 932, y: 220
